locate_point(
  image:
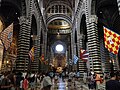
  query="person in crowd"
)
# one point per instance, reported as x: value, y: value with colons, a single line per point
x: 32, y: 81
x: 6, y: 83
x: 1, y: 80
x: 63, y: 76
x: 12, y: 78
x: 21, y: 83
x: 118, y: 76
x: 41, y: 80
x: 77, y: 75
x: 56, y: 78
x: 47, y: 82
x: 70, y: 77
x: 41, y: 77
x: 113, y: 84
x: 98, y: 81
x: 91, y: 81
x: 51, y: 75
x: 85, y: 77
x: 25, y: 83
x: 18, y: 79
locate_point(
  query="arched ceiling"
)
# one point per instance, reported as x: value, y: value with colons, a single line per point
x: 14, y: 3
x: 108, y: 15
x: 48, y: 2
x: 105, y: 3
x: 59, y: 20
x: 59, y: 24
x: 10, y: 11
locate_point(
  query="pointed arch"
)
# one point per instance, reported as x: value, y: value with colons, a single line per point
x: 33, y: 31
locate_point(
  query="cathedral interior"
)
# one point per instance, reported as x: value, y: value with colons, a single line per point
x: 58, y: 29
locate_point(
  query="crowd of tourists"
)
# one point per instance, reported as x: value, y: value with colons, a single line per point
x: 102, y: 81
x: 25, y: 81
x: 44, y: 81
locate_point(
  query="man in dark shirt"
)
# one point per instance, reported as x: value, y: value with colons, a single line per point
x: 6, y: 83
x: 113, y: 84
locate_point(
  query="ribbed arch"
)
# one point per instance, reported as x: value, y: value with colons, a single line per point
x: 59, y: 16
x: 33, y: 31
x: 83, y: 29
x: 57, y: 3
x: 34, y: 25
x: 15, y: 3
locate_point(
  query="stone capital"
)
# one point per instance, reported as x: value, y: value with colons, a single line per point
x: 82, y: 36
x: 93, y: 18
x: 22, y: 19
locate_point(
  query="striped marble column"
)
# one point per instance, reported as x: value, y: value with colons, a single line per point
x: 104, y: 57
x: 93, y: 41
x: 81, y: 64
x: 23, y: 44
x: 94, y: 44
x: 34, y: 64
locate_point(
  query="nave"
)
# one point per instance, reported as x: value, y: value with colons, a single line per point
x: 61, y: 84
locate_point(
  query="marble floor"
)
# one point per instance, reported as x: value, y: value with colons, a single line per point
x: 65, y: 85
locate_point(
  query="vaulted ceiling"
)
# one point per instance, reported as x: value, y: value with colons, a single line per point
x: 49, y: 2
x: 108, y: 14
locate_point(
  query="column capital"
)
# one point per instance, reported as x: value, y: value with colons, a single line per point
x: 93, y: 18
x: 82, y: 36
x: 22, y: 19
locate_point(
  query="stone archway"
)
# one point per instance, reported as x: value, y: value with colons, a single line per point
x: 82, y: 42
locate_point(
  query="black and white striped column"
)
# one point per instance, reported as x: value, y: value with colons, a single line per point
x: 81, y: 64
x: 34, y: 63
x: 104, y: 57
x: 93, y: 41
x: 94, y: 44
x: 23, y: 44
